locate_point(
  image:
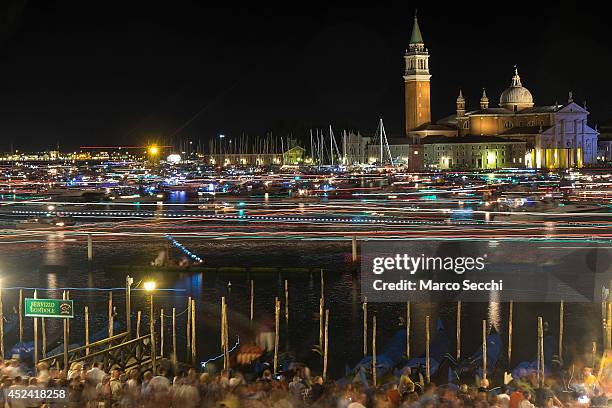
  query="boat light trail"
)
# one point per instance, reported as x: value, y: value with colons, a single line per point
x: 183, y: 249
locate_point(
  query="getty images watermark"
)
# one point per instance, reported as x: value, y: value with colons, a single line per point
x: 481, y: 271
x: 413, y: 264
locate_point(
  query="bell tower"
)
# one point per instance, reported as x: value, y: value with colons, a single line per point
x: 416, y: 81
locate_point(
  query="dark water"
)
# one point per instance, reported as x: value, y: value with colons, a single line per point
x: 20, y: 265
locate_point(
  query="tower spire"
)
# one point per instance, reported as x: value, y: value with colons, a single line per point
x: 416, y: 80
x: 416, y: 37
x: 484, y: 100
x: 460, y: 96
x: 460, y: 104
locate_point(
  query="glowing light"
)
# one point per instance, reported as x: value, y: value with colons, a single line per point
x: 153, y: 150
x: 491, y: 157
x: 149, y: 286
x: 174, y: 158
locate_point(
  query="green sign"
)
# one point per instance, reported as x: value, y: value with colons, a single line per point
x: 49, y: 308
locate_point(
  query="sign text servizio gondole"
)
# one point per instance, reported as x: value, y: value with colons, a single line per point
x: 49, y: 308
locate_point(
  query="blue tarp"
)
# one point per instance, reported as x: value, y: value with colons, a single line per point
x: 494, y: 346
x: 437, y: 350
x: 392, y: 355
x: 525, y: 368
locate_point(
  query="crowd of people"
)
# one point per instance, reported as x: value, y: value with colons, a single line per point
x: 94, y: 387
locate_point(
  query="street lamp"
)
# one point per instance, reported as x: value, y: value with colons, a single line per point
x: 128, y: 305
x: 150, y: 288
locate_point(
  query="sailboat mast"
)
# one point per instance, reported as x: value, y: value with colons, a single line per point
x: 381, y: 141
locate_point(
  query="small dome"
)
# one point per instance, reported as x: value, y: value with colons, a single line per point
x: 516, y: 97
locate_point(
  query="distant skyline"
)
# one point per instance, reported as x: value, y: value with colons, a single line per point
x: 130, y: 73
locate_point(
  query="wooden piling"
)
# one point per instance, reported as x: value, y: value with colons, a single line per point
x: 43, y: 328
x: 110, y: 314
x: 484, y: 349
x: 287, y: 304
x: 224, y: 335
x: 226, y: 358
x: 321, y: 301
x: 408, y: 330
x: 276, y: 334
x: 174, y: 359
x: 35, y: 337
x: 193, y: 332
x: 128, y: 305
x: 510, y: 334
x: 1, y: 326
x: 325, y: 355
x: 68, y: 320
x: 138, y: 315
x: 374, y: 382
x: 20, y: 316
x: 458, y: 354
x: 223, y: 325
x: 86, y: 330
x: 89, y: 248
x: 189, y: 323
x: 354, y: 248
x: 542, y: 356
x: 593, y: 354
x: 427, y: 360
x: 365, y: 326
x: 561, y: 317
x: 322, y: 285
x: 65, y: 322
x: 161, y: 333
x: 540, y: 351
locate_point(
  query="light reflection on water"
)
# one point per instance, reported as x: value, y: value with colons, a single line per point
x: 20, y: 264
x: 494, y: 312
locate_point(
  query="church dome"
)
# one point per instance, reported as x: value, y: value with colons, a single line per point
x: 516, y: 97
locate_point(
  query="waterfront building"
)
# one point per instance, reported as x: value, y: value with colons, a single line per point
x: 554, y: 136
x: 604, y: 144
x: 470, y: 152
x: 293, y: 156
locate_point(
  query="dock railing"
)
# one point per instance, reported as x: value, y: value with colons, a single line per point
x: 117, y: 351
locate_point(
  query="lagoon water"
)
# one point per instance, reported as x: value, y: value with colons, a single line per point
x: 58, y: 261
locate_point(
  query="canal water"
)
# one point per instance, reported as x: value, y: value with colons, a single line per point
x: 59, y: 261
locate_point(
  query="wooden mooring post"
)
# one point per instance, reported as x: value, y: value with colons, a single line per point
x: 89, y: 248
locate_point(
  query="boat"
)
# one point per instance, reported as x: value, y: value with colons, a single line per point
x: 438, y: 349
x: 545, y: 211
x: 526, y: 368
x: 393, y: 356
x: 388, y: 359
x: 474, y: 362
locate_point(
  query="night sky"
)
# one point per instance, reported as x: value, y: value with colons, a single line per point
x: 82, y: 73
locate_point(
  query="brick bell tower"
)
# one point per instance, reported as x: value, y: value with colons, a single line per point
x: 416, y: 81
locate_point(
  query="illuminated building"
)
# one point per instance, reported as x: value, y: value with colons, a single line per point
x: 555, y: 136
x: 471, y: 152
x: 292, y: 156
x: 355, y: 148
